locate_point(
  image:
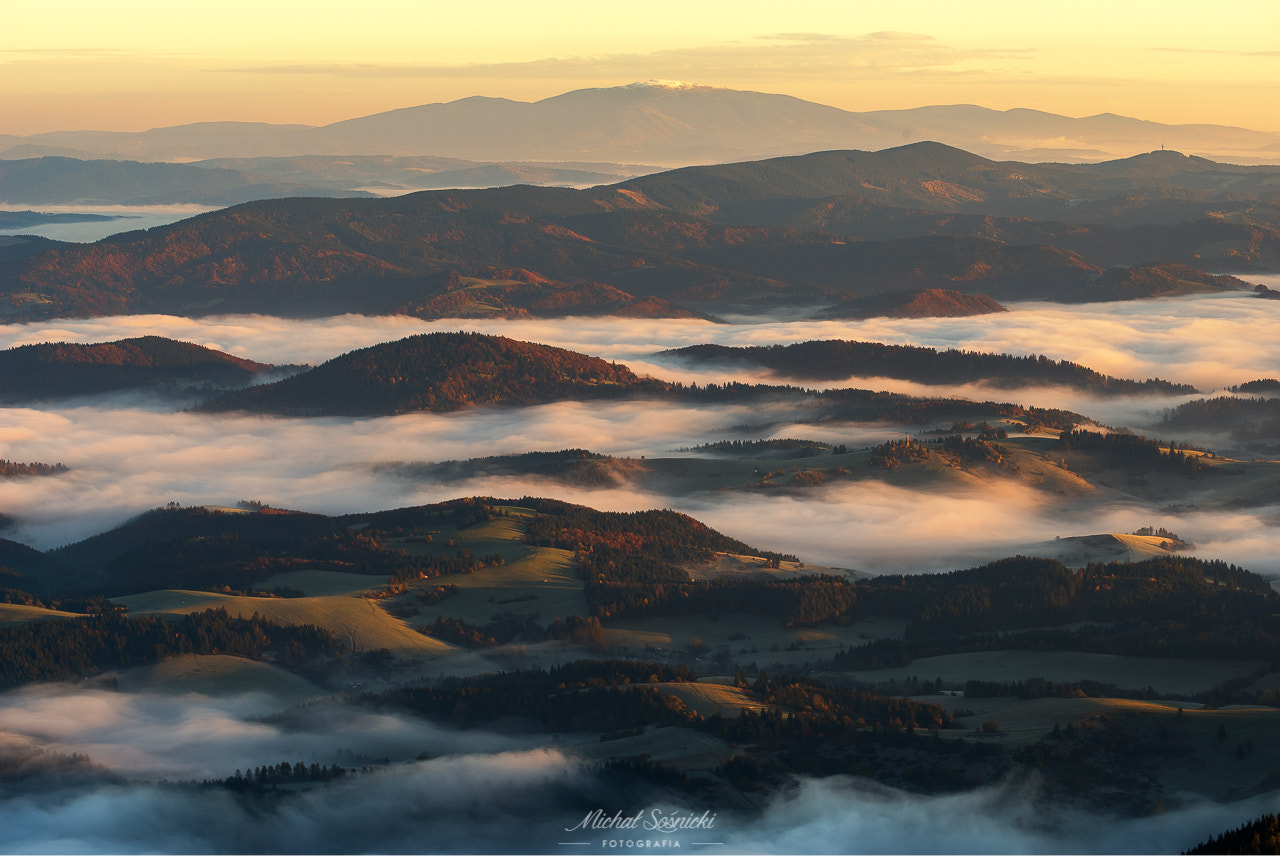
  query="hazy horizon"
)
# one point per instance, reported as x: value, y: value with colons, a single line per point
x: 139, y: 64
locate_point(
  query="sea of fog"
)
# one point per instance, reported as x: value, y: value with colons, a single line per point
x: 129, y: 453
x: 472, y: 791
x: 124, y: 218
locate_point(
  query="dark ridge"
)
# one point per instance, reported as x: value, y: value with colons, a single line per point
x: 34, y: 372
x: 439, y: 372
x: 737, y: 237
x: 926, y: 303
x: 834, y: 359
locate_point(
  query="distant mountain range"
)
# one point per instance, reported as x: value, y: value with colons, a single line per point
x: 56, y: 180
x: 659, y: 123
x: 830, y: 232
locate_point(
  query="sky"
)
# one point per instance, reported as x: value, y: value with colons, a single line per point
x: 137, y: 64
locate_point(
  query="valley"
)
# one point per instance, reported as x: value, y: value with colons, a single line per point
x: 907, y: 481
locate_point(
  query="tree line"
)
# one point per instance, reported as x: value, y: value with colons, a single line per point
x: 834, y: 359
x: 76, y: 647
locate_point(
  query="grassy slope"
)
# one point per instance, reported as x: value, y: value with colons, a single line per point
x: 356, y: 620
x: 13, y: 613
x: 217, y: 675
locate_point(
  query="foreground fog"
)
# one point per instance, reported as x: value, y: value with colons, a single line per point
x: 129, y: 454
x: 477, y: 793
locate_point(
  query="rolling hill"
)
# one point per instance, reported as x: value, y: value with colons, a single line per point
x: 438, y: 372
x: 649, y: 247
x: 838, y: 359
x: 55, y: 370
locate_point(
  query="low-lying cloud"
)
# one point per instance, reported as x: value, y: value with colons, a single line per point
x: 1209, y: 341
x: 480, y: 793
x: 130, y: 453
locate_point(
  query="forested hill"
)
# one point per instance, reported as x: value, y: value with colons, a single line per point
x: 750, y: 237
x: 836, y: 359
x: 438, y: 372
x: 60, y: 369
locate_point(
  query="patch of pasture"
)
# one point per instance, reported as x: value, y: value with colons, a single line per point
x: 707, y: 698
x: 217, y: 675
x: 734, y: 566
x: 748, y: 638
x: 542, y: 584
x: 1181, y: 676
x: 316, y: 583
x: 359, y: 622
x: 1078, y: 551
x: 17, y: 613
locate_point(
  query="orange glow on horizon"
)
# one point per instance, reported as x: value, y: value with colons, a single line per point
x: 140, y: 64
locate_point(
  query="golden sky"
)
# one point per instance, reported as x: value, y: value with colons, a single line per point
x: 137, y: 64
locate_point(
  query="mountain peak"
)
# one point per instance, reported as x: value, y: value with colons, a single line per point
x: 667, y: 84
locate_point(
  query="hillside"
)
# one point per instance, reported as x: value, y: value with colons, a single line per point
x: 836, y: 359
x: 932, y: 176
x: 438, y: 372
x: 53, y: 370
x: 546, y: 252
x: 926, y: 303
x: 54, y: 180
x: 61, y: 180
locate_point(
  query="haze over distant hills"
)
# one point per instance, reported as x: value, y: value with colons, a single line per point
x: 59, y: 180
x: 659, y: 123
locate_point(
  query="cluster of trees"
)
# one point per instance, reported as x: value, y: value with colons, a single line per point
x: 1132, y: 451
x: 234, y: 562
x: 1258, y: 836
x: 269, y: 775
x: 580, y: 696
x: 1172, y: 541
x: 1025, y: 592
x: 834, y: 359
x: 91, y: 605
x: 895, y: 453
x: 1041, y: 688
x: 796, y: 602
x: 784, y: 447
x: 60, y: 368
x: 193, y: 548
x: 640, y: 545
x: 1262, y: 385
x: 14, y: 468
x: 439, y: 372
x: 1177, y: 596
x: 868, y: 406
x: 508, y: 627
x: 577, y: 466
x: 805, y: 718
x: 974, y: 449
x: 1245, y: 418
x: 71, y: 648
